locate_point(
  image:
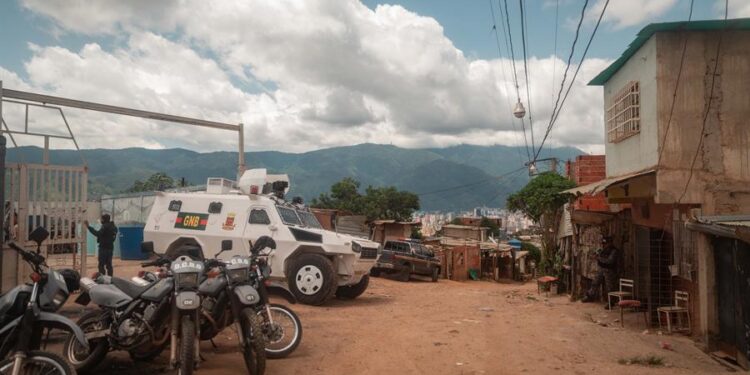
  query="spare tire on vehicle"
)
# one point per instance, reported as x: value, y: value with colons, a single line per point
x: 353, y: 291
x: 312, y: 279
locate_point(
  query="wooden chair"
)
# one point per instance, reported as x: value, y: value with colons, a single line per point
x: 631, y: 304
x: 627, y: 287
x: 681, y: 308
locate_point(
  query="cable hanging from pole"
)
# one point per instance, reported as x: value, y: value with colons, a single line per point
x: 555, y: 115
x: 505, y: 78
x: 518, y: 111
x: 526, y: 72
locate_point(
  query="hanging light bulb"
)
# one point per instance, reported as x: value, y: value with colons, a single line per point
x: 532, y: 169
x: 519, y: 111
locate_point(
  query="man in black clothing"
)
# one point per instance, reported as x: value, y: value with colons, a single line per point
x: 105, y: 236
x: 607, y: 259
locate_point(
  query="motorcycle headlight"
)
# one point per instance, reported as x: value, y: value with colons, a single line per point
x: 239, y: 275
x: 187, y: 280
x: 59, y: 299
x: 356, y: 247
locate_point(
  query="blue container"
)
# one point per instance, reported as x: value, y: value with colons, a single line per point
x: 130, y: 237
x: 514, y: 243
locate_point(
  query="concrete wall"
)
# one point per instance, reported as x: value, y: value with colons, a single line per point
x: 722, y: 169
x: 638, y: 152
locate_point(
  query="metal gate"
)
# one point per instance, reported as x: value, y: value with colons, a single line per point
x: 50, y: 196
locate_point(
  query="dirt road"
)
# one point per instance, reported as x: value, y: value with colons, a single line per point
x: 448, y: 327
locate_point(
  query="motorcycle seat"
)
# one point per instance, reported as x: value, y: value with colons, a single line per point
x: 132, y: 289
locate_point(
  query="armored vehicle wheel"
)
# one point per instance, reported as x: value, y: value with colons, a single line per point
x: 405, y: 274
x: 353, y: 291
x: 312, y: 279
x: 375, y: 272
x: 435, y: 274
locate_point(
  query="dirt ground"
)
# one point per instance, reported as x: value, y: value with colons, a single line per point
x: 455, y: 328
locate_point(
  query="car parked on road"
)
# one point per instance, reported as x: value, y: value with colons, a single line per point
x: 405, y: 258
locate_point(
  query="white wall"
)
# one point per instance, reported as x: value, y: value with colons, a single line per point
x: 640, y: 151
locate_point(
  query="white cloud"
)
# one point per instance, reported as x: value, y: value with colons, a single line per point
x: 626, y: 13
x: 341, y: 74
x: 737, y: 8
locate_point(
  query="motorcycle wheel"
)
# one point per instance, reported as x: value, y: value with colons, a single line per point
x: 286, y: 333
x: 75, y: 354
x: 187, y: 346
x: 253, y: 351
x: 39, y: 362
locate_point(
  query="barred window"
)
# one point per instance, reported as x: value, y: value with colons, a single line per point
x: 624, y: 113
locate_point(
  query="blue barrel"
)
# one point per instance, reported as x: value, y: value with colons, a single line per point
x: 131, y: 237
x: 514, y: 243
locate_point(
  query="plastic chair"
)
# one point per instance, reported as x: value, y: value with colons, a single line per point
x: 622, y: 293
x: 681, y: 308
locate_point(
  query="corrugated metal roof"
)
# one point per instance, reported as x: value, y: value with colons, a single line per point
x: 602, y: 185
x: 651, y: 29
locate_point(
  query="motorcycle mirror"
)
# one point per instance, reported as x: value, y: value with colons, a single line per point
x: 38, y: 235
x: 226, y: 245
x: 147, y: 247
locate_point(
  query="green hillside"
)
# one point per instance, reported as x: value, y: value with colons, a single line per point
x: 435, y: 174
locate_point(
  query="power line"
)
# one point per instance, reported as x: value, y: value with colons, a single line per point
x: 676, y: 86
x: 473, y: 183
x: 554, y: 60
x: 507, y: 182
x: 708, y: 105
x: 505, y: 78
x: 515, y: 72
x: 567, y: 66
x: 572, y: 81
x: 526, y: 72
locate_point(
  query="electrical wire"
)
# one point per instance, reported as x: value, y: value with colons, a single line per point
x: 473, y: 183
x: 505, y: 78
x: 524, y: 42
x: 515, y: 72
x: 505, y: 184
x: 554, y: 61
x: 570, y: 59
x: 555, y: 115
x: 676, y: 87
x: 708, y: 105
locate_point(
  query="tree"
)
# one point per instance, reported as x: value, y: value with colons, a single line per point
x: 541, y: 195
x: 494, y: 229
x: 157, y: 181
x: 457, y: 221
x: 377, y: 202
x: 541, y: 200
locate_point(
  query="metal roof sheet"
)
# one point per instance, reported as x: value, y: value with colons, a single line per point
x: 651, y: 29
x: 602, y: 185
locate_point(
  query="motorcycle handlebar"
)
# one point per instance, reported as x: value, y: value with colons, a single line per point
x: 36, y: 259
x: 155, y: 263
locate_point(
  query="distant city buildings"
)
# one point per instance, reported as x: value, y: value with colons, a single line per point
x: 512, y: 222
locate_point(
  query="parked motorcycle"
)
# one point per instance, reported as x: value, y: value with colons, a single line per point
x: 279, y: 324
x: 27, y: 310
x: 229, y: 298
x: 133, y: 316
x: 186, y: 314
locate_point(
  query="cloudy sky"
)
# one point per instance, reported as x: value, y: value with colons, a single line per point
x: 304, y: 75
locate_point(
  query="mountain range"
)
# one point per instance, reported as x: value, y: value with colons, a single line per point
x: 446, y: 179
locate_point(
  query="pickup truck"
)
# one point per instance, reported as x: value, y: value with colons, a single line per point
x: 406, y: 257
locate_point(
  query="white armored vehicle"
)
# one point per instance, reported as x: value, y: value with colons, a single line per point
x: 316, y: 263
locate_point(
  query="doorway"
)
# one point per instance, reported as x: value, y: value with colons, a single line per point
x: 732, y: 276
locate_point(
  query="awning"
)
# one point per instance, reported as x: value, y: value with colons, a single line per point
x: 737, y: 227
x: 599, y: 186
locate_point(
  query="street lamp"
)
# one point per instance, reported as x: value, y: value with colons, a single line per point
x: 519, y: 111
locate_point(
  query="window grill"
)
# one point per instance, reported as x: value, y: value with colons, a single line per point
x: 624, y: 113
